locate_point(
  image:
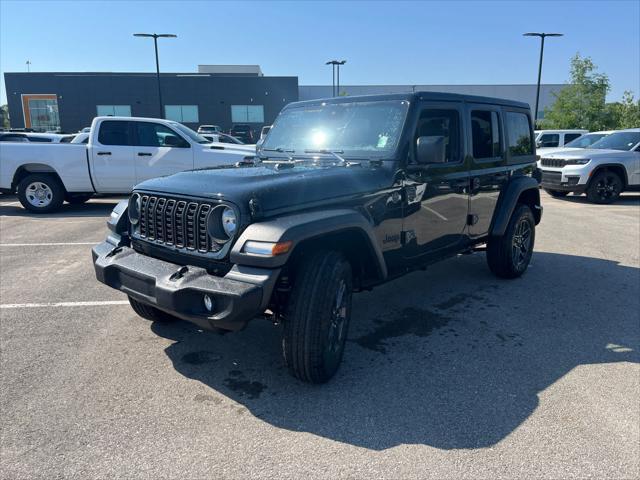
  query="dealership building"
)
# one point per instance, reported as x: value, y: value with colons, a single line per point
x: 216, y: 94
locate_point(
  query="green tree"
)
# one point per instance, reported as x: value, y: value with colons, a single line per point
x: 4, y: 116
x: 629, y: 111
x: 581, y: 104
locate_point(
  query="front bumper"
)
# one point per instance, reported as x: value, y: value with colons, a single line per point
x: 239, y: 296
x: 563, y: 181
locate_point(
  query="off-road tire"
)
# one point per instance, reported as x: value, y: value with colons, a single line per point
x: 150, y: 313
x: 315, y: 327
x: 605, y: 187
x: 53, y: 185
x: 556, y: 193
x: 77, y: 198
x: 506, y: 255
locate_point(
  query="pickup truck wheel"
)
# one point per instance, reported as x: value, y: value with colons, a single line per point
x: 509, y: 256
x: 604, y: 188
x: 556, y: 193
x: 78, y: 199
x: 317, y: 317
x: 41, y: 193
x: 150, y: 313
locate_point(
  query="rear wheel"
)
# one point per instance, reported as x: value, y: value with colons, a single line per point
x: 508, y: 256
x: 605, y: 187
x: 41, y: 193
x: 150, y: 313
x: 556, y: 193
x: 317, y: 317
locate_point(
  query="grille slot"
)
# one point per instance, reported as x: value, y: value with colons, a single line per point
x: 176, y: 223
x: 553, y: 162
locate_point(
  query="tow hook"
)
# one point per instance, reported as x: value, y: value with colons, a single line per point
x: 178, y: 274
x: 113, y: 252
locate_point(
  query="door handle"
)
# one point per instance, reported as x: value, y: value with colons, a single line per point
x: 144, y: 154
x: 104, y: 153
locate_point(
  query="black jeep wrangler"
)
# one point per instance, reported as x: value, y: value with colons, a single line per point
x: 343, y: 195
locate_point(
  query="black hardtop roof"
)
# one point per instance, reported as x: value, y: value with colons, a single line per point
x: 412, y: 97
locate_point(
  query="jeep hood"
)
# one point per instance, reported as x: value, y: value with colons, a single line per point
x: 273, y: 188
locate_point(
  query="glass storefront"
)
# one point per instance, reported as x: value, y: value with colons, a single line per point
x: 41, y: 112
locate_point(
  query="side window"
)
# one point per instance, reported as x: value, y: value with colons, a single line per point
x: 571, y: 136
x: 549, y: 140
x: 39, y: 139
x: 519, y: 139
x: 113, y: 132
x: 485, y: 132
x: 13, y: 138
x: 445, y: 123
x: 157, y: 135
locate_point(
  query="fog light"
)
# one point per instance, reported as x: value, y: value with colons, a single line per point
x: 208, y: 303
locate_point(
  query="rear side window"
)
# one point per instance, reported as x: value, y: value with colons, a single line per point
x: 114, y: 132
x: 571, y: 136
x: 485, y: 132
x: 13, y: 138
x: 549, y: 140
x: 39, y: 139
x: 519, y: 139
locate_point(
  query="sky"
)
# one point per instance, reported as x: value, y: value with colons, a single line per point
x: 430, y: 42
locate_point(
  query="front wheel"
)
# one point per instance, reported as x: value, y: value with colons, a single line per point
x: 317, y: 317
x: 41, y: 193
x: 605, y: 187
x: 508, y: 256
x: 150, y: 313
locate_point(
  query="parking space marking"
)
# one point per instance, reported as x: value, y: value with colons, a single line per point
x: 64, y: 304
x: 53, y: 244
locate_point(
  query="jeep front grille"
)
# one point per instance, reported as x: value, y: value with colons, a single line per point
x: 553, y: 162
x: 178, y: 223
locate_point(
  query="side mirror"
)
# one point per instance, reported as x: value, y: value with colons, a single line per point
x: 173, y: 141
x: 430, y: 150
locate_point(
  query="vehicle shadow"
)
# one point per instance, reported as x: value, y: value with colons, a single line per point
x: 10, y: 207
x: 625, y: 199
x: 451, y: 357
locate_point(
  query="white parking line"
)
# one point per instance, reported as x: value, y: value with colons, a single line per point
x: 55, y: 244
x: 64, y: 304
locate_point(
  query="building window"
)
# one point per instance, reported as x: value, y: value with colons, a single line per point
x: 114, y: 110
x: 181, y: 113
x: 41, y: 112
x: 247, y: 113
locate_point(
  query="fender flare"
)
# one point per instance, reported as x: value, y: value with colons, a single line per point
x: 305, y: 226
x: 509, y: 199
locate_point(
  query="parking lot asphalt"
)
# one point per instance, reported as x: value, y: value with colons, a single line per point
x: 449, y: 373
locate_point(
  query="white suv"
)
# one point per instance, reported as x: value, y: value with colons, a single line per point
x: 603, y: 171
x: 556, y: 138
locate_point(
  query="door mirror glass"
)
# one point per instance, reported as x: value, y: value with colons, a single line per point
x: 173, y: 141
x: 430, y: 150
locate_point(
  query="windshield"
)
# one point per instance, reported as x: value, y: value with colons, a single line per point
x: 189, y: 133
x: 618, y: 141
x: 585, y: 140
x: 358, y: 128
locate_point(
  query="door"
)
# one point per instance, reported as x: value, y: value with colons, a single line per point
x: 159, y: 151
x: 112, y: 157
x: 488, y: 172
x: 436, y: 195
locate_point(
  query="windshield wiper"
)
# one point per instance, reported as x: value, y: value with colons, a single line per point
x: 280, y: 150
x: 335, y: 153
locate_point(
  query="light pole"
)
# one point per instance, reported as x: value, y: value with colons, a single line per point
x: 542, y: 37
x: 335, y: 77
x: 155, y: 37
x: 28, y: 63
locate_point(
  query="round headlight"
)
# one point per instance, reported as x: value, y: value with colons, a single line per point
x: 134, y: 208
x: 229, y: 221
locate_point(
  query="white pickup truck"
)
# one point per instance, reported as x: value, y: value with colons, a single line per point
x: 121, y: 152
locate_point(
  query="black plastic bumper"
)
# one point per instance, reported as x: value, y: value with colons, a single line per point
x: 238, y: 296
x: 553, y: 181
